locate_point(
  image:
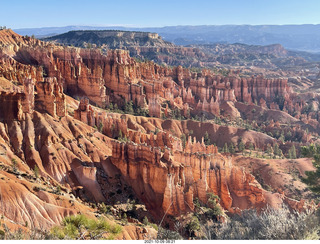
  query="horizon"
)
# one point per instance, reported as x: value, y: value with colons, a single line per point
x: 146, y: 27
x: 142, y: 14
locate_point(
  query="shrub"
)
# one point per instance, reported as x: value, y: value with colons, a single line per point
x: 225, y: 148
x: 272, y: 224
x: 36, y: 171
x: 58, y: 190
x: 81, y: 227
x: 14, y: 164
x: 206, y: 138
x: 104, y: 209
x: 165, y: 234
x: 145, y: 220
x: 193, y: 226
x: 241, y: 146
x: 100, y: 127
x: 128, y: 108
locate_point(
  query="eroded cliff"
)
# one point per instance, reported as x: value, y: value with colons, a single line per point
x: 93, y: 153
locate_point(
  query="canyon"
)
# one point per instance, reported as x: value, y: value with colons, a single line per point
x: 96, y: 123
x: 270, y: 61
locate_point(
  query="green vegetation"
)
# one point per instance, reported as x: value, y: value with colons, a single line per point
x: 279, y: 99
x: 166, y: 234
x: 14, y: 164
x: 176, y: 114
x: 232, y: 148
x: 215, y: 209
x: 241, y: 146
x: 313, y: 177
x: 277, y: 151
x: 272, y: 224
x: 100, y: 127
x: 193, y: 226
x: 225, y: 148
x: 36, y: 171
x: 183, y: 140
x: 80, y: 227
x: 128, y: 108
x: 122, y: 138
x: 292, y: 153
x: 145, y: 220
x: 104, y: 209
x: 58, y: 190
x: 76, y: 227
x: 206, y: 138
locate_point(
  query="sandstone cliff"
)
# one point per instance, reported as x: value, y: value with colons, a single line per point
x: 93, y: 153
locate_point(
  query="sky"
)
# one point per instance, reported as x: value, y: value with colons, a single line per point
x: 156, y: 13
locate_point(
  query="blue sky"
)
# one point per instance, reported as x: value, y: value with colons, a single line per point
x: 156, y: 13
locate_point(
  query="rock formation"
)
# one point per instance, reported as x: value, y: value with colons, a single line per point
x: 50, y: 97
x: 164, y: 161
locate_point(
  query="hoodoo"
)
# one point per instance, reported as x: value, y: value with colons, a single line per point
x: 95, y: 133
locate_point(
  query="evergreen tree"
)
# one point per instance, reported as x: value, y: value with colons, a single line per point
x: 251, y: 147
x: 128, y: 108
x: 231, y: 148
x: 225, y: 148
x: 241, y: 146
x: 292, y: 152
x: 288, y: 136
x: 206, y: 138
x: 276, y: 149
x: 100, y: 126
x: 183, y: 140
x: 269, y: 150
x: 281, y: 138
x: 313, y: 177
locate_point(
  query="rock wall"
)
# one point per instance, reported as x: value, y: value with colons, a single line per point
x: 50, y: 97
x: 14, y: 104
x: 170, y: 181
x: 85, y: 113
x: 113, y: 76
x: 116, y: 77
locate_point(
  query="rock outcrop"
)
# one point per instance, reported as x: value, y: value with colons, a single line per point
x: 169, y: 181
x: 164, y: 161
x: 116, y: 77
x: 50, y: 97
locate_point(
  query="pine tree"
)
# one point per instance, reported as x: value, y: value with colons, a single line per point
x: 276, y: 149
x: 206, y: 138
x: 225, y: 148
x: 313, y: 177
x: 269, y: 150
x: 128, y: 108
x: 241, y: 146
x: 251, y: 147
x: 292, y: 152
x: 281, y: 138
x: 231, y: 148
x: 183, y: 140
